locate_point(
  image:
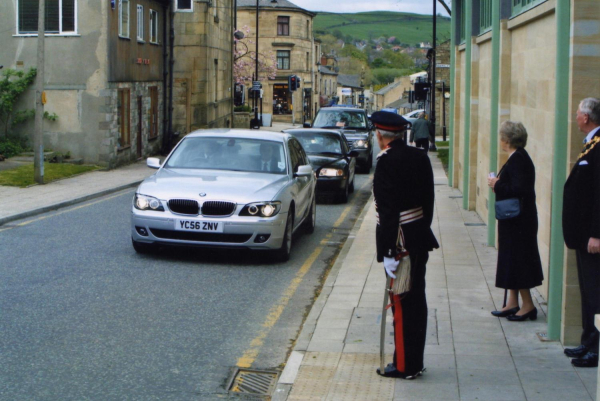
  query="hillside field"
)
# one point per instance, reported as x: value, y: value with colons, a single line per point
x: 407, y: 28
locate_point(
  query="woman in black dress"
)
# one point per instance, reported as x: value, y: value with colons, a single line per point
x: 519, y: 265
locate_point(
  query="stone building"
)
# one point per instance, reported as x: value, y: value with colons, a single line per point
x: 107, y: 75
x: 286, y: 31
x: 442, y: 88
x: 385, y: 96
x: 349, y: 89
x: 529, y: 61
x: 203, y: 69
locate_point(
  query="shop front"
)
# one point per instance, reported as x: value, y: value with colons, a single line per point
x: 282, y: 99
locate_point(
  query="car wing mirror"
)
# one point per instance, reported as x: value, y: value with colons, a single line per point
x: 153, y: 162
x: 304, y: 171
x: 353, y: 153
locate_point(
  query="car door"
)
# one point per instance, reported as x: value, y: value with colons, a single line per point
x: 301, y: 184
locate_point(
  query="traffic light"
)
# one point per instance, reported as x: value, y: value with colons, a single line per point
x: 293, y: 82
x: 421, y: 89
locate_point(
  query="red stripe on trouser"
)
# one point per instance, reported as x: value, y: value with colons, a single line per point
x: 400, y: 361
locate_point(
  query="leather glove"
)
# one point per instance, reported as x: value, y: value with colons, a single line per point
x: 390, y: 265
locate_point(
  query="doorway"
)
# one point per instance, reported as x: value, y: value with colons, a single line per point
x: 139, y: 130
x: 282, y: 103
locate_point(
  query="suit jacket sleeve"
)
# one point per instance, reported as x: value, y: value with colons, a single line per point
x: 595, y: 183
x: 386, y: 205
x: 515, y: 180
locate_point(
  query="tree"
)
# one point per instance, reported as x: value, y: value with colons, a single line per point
x: 244, y: 64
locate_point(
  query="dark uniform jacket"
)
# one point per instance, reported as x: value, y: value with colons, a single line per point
x: 581, y: 199
x: 421, y: 129
x: 403, y: 181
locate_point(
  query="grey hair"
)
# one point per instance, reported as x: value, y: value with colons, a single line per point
x: 389, y: 134
x: 422, y: 115
x: 513, y: 133
x: 591, y: 107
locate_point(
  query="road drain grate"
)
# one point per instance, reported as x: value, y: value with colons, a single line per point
x: 257, y: 382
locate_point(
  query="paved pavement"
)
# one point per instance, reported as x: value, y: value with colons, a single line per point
x: 469, y: 353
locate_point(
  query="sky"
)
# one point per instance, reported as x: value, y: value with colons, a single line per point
x: 354, y: 6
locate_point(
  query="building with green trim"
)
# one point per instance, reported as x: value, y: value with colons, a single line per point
x: 531, y: 61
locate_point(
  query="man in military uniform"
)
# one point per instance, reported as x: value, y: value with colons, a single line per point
x: 581, y: 229
x: 404, y: 198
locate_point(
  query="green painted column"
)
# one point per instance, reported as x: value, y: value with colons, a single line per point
x: 559, y: 167
x: 495, y: 112
x: 468, y: 4
x: 453, y: 23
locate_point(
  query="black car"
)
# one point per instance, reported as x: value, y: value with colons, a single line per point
x: 331, y: 158
x: 355, y: 126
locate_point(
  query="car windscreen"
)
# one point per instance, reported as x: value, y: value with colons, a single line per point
x: 235, y: 154
x: 340, y: 119
x: 314, y: 143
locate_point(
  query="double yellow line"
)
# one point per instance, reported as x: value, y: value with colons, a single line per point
x: 250, y: 355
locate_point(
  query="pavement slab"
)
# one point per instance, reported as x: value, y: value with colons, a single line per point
x: 469, y: 355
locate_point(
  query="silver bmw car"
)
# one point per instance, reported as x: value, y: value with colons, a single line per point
x: 227, y: 188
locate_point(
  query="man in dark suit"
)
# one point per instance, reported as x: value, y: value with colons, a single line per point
x: 581, y: 229
x: 404, y: 201
x: 268, y: 161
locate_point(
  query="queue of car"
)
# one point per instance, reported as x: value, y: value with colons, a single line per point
x: 232, y: 188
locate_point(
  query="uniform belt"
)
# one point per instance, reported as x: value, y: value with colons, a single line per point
x: 408, y: 216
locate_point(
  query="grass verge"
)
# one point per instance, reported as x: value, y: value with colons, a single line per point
x: 442, y: 154
x: 23, y: 176
x: 442, y: 143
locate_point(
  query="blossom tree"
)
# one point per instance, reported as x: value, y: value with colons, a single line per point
x: 244, y: 65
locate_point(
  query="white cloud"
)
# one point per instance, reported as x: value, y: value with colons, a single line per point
x: 354, y: 6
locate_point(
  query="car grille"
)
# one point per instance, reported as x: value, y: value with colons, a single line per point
x: 183, y: 206
x: 204, y: 237
x: 217, y: 208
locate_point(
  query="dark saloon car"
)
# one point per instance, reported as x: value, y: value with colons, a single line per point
x: 355, y: 126
x: 331, y: 158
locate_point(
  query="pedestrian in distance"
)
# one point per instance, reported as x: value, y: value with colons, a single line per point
x: 404, y: 201
x: 581, y: 229
x: 421, y: 132
x: 519, y: 266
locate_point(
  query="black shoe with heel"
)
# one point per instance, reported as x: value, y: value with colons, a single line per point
x: 532, y: 314
x: 508, y: 312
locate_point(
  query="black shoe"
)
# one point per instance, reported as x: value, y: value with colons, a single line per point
x: 589, y: 360
x: 508, y: 312
x: 532, y: 314
x: 391, y: 371
x: 576, y: 352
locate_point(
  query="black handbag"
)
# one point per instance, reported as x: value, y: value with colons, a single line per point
x: 508, y: 208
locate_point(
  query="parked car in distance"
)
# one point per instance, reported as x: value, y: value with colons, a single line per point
x: 413, y: 115
x: 355, y: 126
x: 227, y: 189
x: 331, y: 158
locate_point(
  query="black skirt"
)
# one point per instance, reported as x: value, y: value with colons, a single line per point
x: 519, y: 264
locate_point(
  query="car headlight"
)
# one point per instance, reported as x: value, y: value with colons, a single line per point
x: 331, y: 172
x: 261, y: 209
x: 143, y: 202
x: 361, y: 143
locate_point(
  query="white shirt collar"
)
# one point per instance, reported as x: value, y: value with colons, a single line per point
x: 591, y: 134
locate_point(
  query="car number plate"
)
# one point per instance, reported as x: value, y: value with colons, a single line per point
x: 199, y: 226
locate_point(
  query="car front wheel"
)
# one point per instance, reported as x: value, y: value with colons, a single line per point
x: 283, y: 253
x: 311, y: 219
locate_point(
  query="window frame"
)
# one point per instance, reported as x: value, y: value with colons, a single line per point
x: 140, y: 24
x: 485, y: 16
x: 184, y: 10
x: 518, y: 7
x: 61, y: 32
x: 121, y: 33
x: 153, y: 27
x: 288, y: 58
x: 282, y: 24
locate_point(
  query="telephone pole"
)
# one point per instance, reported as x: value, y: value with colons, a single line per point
x: 38, y: 136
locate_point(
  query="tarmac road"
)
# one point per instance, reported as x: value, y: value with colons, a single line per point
x: 82, y: 316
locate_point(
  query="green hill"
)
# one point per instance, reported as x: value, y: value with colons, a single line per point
x: 407, y: 28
